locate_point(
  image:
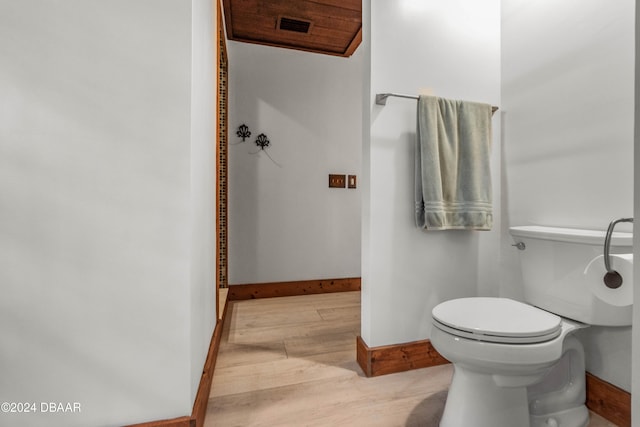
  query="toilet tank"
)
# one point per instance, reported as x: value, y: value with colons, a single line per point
x: 553, y: 264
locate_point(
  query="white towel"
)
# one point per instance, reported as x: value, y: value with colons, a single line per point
x: 453, y: 174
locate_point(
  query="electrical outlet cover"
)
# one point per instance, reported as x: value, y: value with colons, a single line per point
x: 337, y: 181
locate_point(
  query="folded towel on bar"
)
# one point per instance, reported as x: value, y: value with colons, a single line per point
x: 453, y: 174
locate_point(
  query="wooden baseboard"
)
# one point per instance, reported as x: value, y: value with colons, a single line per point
x: 204, y: 389
x: 603, y: 398
x: 175, y: 422
x: 199, y: 410
x: 389, y: 359
x: 286, y: 289
x: 609, y: 401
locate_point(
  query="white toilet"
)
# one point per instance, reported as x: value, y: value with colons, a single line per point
x: 517, y: 364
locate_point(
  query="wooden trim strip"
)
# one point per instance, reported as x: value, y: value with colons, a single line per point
x: 175, y: 422
x: 238, y: 292
x: 364, y: 356
x: 286, y: 289
x: 222, y: 153
x: 202, y: 397
x: 603, y: 398
x: 204, y: 389
x: 609, y: 401
x: 355, y: 42
x: 389, y: 359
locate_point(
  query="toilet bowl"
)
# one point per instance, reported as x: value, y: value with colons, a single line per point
x: 518, y: 364
x: 499, y: 348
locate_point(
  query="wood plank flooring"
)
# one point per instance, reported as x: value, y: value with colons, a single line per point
x: 291, y: 361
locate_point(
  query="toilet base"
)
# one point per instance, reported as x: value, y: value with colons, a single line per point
x: 574, y: 417
x: 559, y: 399
x: 476, y: 400
x: 541, y: 396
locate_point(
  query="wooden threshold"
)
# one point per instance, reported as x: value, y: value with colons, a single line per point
x: 389, y: 359
x: 287, y: 289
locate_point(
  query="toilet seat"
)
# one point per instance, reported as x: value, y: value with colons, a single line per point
x: 496, y: 320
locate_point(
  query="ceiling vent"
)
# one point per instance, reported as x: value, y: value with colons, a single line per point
x: 295, y: 25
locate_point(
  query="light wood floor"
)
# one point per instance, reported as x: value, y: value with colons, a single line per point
x: 291, y: 361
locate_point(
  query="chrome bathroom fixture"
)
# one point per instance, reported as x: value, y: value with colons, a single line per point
x: 612, y: 279
x: 381, y: 99
x: 520, y: 246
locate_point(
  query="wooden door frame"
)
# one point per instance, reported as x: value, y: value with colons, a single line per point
x: 222, y: 155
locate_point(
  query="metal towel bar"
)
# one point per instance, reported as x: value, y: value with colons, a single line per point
x: 381, y: 99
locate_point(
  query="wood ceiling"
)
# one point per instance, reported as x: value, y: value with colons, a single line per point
x: 332, y: 27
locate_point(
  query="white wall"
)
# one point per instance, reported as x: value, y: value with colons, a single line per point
x: 635, y: 364
x: 204, y: 57
x: 285, y: 224
x: 99, y: 272
x: 452, y: 50
x: 567, y: 98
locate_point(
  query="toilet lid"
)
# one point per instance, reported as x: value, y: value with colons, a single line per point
x: 499, y: 320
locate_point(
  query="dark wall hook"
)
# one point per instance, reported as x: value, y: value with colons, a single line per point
x: 243, y: 132
x: 262, y: 141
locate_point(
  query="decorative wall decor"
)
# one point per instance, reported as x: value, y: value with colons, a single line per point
x: 262, y: 141
x: 243, y: 132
